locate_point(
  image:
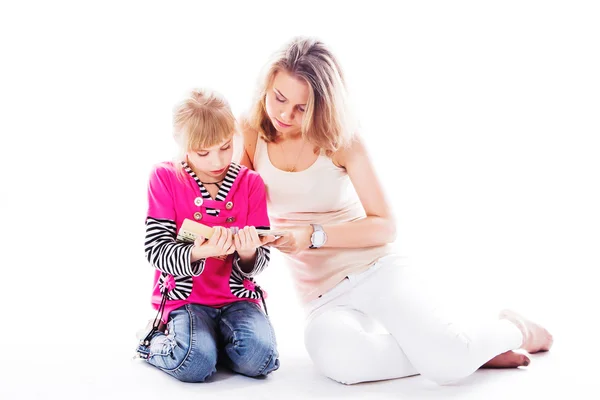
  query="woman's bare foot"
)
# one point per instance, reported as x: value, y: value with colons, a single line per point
x: 535, y: 337
x: 510, y: 359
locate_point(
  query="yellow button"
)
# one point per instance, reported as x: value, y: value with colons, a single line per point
x: 198, y: 201
x: 229, y: 205
x: 197, y: 216
x: 230, y: 219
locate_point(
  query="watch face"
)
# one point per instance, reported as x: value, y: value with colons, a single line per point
x: 318, y: 238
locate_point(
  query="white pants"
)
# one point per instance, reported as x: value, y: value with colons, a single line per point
x: 382, y: 324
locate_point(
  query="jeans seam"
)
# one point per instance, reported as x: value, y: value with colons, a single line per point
x: 224, y: 320
x: 271, y: 352
x: 264, y: 366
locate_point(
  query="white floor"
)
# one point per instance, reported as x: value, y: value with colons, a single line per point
x: 91, y: 357
x: 563, y: 372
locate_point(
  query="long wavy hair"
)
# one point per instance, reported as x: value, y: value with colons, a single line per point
x: 328, y: 122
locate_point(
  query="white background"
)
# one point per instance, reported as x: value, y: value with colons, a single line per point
x: 482, y: 119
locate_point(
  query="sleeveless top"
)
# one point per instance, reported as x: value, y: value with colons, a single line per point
x: 321, y: 194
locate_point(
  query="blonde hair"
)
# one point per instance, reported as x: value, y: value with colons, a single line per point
x: 203, y: 119
x: 328, y: 122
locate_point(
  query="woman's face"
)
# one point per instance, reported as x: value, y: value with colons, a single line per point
x: 286, y: 102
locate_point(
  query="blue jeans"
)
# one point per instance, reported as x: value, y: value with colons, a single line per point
x: 238, y: 335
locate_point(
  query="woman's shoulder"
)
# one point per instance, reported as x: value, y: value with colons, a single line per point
x: 249, y: 133
x: 355, y: 147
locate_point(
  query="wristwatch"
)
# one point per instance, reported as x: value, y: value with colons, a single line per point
x: 318, y: 237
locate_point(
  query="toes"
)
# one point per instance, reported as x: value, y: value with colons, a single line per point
x: 510, y: 359
x: 519, y: 360
x: 524, y: 361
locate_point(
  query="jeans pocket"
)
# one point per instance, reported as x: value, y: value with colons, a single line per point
x: 359, y: 276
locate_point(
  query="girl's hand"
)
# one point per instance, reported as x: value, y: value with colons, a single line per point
x: 246, y: 241
x: 220, y: 244
x: 296, y: 240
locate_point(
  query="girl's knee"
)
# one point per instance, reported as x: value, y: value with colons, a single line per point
x: 254, y: 355
x: 258, y: 366
x: 196, y: 369
x: 199, y: 363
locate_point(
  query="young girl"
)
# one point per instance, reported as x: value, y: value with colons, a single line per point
x: 204, y: 292
x: 323, y: 190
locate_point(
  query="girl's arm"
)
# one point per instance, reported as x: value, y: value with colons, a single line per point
x: 161, y: 249
x: 253, y: 262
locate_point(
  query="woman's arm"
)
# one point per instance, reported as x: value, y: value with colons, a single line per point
x: 250, y: 137
x: 377, y: 228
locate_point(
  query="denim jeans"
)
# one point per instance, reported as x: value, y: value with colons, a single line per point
x: 238, y: 335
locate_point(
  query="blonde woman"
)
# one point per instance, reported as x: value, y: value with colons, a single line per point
x: 322, y: 188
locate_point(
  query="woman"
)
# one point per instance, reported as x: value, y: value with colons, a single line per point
x: 323, y: 190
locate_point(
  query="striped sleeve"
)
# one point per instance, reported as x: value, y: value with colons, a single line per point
x: 165, y: 254
x: 162, y: 250
x: 263, y: 256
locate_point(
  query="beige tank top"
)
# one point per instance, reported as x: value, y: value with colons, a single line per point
x: 322, y: 194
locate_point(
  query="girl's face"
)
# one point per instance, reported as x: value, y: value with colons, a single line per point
x: 212, y: 163
x: 286, y: 102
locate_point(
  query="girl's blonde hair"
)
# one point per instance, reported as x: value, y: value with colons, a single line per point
x: 328, y: 122
x: 203, y: 119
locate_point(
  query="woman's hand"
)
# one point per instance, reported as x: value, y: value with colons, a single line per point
x: 295, y: 240
x: 220, y: 244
